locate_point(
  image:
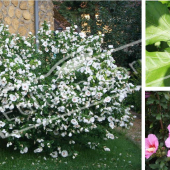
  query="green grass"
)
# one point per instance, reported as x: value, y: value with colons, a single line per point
x: 124, y: 155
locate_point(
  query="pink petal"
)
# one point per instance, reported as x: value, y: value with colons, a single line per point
x: 168, y: 128
x: 147, y: 143
x: 147, y: 155
x: 168, y: 154
x: 153, y: 140
x: 167, y: 142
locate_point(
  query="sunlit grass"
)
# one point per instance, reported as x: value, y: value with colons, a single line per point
x: 124, y: 154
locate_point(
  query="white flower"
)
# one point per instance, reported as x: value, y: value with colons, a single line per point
x: 122, y: 124
x: 61, y: 109
x: 131, y: 124
x: 3, y: 82
x: 125, y: 118
x: 121, y: 97
x: 46, y: 49
x: 54, y: 50
x: 75, y: 99
x: 90, y: 63
x: 67, y: 28
x: 7, y: 40
x: 87, y: 93
x: 74, y: 122
x: 12, y: 64
x: 45, y: 122
x: 70, y: 134
x: 82, y: 35
x: 98, y: 95
x: 64, y: 153
x: 106, y: 149
x: 100, y: 119
x: 110, y: 119
x: 9, y: 144
x: 54, y: 154
x: 53, y: 87
x: 111, y: 124
x: 38, y: 120
x: 16, y: 134
x: 17, y: 120
x: 38, y: 150
x: 25, y: 86
x: 2, y: 124
x: 75, y: 26
x: 119, y: 76
x: 44, y: 44
x: 92, y: 119
x: 110, y: 136
x: 110, y: 46
x: 56, y: 32
x: 107, y: 99
x: 41, y: 77
x: 12, y: 97
x: 24, y: 151
x: 86, y: 130
x: 40, y: 140
x: 100, y: 77
x: 1, y: 52
x: 138, y: 88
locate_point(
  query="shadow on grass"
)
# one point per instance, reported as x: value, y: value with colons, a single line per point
x: 124, y: 154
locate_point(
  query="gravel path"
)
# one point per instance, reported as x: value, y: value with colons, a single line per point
x: 134, y: 133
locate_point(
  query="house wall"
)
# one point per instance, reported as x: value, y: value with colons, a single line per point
x: 19, y: 15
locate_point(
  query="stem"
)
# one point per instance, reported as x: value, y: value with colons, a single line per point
x: 159, y: 108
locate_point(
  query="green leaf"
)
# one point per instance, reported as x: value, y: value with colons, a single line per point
x: 167, y: 96
x: 151, y: 125
x: 165, y: 2
x: 158, y: 117
x: 157, y: 22
x: 157, y: 29
x: 154, y: 166
x: 168, y: 42
x: 165, y: 168
x: 157, y: 69
x: 162, y: 164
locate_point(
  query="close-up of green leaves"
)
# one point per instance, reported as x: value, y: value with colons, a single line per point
x: 157, y: 44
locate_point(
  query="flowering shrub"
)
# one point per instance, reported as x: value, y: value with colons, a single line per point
x: 66, y: 92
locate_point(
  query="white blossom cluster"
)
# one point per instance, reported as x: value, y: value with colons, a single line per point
x: 83, y: 93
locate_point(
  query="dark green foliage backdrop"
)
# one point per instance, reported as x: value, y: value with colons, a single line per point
x: 122, y: 18
x: 157, y: 114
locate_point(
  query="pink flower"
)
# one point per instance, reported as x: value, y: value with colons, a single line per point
x: 147, y: 94
x: 168, y: 154
x: 151, y: 145
x: 167, y: 142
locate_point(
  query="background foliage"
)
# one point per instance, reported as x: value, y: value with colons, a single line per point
x: 119, y: 21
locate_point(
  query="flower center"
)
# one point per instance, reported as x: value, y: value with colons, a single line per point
x: 151, y: 149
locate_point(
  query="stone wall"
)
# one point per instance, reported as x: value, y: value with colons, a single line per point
x: 19, y: 15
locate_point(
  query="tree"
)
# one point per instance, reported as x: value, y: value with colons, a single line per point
x: 120, y: 21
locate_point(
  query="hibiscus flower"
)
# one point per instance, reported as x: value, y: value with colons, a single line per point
x: 151, y: 145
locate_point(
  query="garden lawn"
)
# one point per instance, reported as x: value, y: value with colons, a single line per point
x: 124, y: 154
